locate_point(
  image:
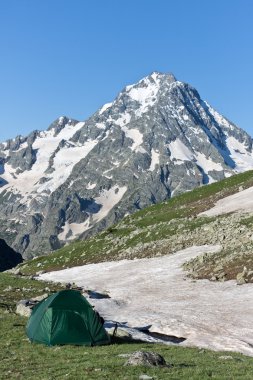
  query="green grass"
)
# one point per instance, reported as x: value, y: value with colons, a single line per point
x: 14, y: 288
x: 247, y: 221
x: 19, y: 359
x: 153, y: 223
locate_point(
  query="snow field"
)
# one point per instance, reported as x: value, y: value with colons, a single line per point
x: 156, y: 291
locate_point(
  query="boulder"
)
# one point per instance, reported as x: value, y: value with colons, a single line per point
x: 146, y: 358
x: 40, y: 298
x: 241, y: 278
x: 23, y: 310
x: 24, y: 307
x: 96, y: 295
x: 119, y: 333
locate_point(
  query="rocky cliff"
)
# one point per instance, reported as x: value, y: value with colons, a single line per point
x: 157, y: 139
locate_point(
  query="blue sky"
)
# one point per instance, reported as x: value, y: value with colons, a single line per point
x: 69, y: 57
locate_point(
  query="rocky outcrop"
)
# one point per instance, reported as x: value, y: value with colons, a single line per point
x: 8, y: 257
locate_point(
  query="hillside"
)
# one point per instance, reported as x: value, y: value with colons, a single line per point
x: 206, y: 314
x: 167, y: 227
x: 156, y: 140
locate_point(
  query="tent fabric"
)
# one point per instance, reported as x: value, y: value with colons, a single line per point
x: 66, y: 317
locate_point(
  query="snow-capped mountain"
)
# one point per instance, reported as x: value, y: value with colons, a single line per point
x: 155, y: 140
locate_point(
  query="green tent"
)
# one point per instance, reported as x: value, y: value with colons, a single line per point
x: 66, y: 317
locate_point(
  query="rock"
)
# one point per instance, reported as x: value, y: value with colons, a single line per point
x: 97, y: 295
x: 241, y: 278
x: 40, y: 298
x: 146, y: 358
x: 221, y: 276
x: 8, y: 289
x: 8, y: 257
x: 120, y: 333
x: 40, y: 272
x: 145, y: 377
x: 23, y: 310
x: 219, y: 268
x: 226, y: 357
x: 15, y: 271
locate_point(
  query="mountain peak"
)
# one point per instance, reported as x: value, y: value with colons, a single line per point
x: 155, y: 75
x: 158, y: 138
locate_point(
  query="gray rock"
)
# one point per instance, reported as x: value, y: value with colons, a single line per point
x: 241, y: 278
x: 119, y: 333
x: 41, y: 297
x: 24, y: 311
x: 226, y: 357
x: 145, y: 358
x: 8, y: 289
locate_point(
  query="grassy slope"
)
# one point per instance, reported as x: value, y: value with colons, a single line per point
x: 135, y: 234
x: 19, y: 359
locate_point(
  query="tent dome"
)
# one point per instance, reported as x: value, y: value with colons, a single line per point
x: 66, y: 317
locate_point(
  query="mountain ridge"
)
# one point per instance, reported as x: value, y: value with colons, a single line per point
x: 157, y: 139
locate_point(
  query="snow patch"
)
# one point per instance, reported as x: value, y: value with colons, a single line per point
x: 242, y: 201
x: 91, y: 186
x: 72, y: 230
x: 154, y: 160
x: 206, y: 164
x: 108, y: 199
x: 240, y: 155
x: 61, y: 120
x: 21, y: 147
x: 135, y: 135
x: 140, y: 149
x: 179, y: 151
x: 45, y: 144
x: 100, y: 126
x: 64, y: 161
x: 145, y: 93
x: 155, y: 291
x: 123, y: 120
x: 218, y: 117
x: 105, y: 107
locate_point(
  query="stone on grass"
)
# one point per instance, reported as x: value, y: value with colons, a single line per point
x: 226, y: 357
x: 8, y: 289
x: 145, y: 377
x: 23, y: 310
x: 146, y: 358
x: 41, y: 297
